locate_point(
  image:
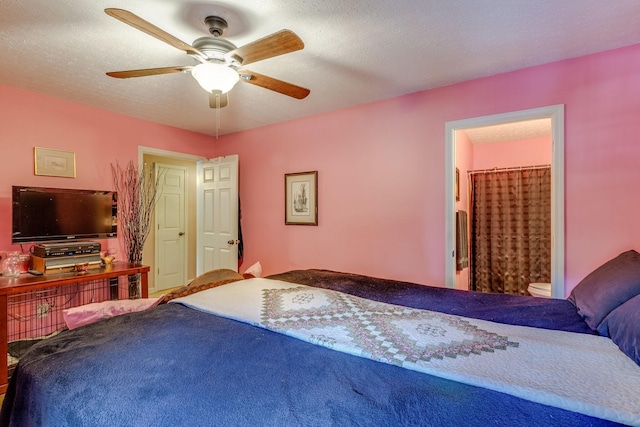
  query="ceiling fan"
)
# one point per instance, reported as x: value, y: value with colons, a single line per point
x: 219, y: 63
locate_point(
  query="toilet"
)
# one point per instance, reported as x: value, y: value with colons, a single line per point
x: 542, y: 290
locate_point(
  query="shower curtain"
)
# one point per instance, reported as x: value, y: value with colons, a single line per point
x: 510, y: 229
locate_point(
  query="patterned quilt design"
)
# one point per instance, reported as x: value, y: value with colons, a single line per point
x: 387, y: 333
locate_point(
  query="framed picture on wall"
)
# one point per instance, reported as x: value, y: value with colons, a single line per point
x: 54, y: 162
x: 457, y: 185
x: 301, y: 198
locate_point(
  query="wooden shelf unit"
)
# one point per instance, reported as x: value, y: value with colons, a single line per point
x: 27, y: 283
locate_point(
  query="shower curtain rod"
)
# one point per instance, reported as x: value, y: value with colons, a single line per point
x: 516, y: 168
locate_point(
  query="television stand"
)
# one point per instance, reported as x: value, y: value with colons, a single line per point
x: 29, y: 303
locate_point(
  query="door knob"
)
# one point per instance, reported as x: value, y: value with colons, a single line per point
x: 233, y: 242
x: 181, y: 233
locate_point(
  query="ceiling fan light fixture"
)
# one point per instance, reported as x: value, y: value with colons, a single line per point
x: 215, y: 77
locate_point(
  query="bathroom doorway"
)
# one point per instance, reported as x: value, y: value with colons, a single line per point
x: 555, y: 116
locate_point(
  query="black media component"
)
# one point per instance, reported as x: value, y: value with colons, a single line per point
x: 66, y: 249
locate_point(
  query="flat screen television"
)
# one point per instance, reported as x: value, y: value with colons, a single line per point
x: 55, y: 214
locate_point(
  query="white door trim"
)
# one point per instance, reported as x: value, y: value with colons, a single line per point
x: 142, y: 151
x: 556, y: 114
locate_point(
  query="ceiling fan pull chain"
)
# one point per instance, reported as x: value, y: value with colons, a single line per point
x: 217, y: 95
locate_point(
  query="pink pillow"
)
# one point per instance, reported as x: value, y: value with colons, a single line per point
x: 255, y: 270
x: 89, y: 313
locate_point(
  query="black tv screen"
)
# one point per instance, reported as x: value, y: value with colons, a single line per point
x: 56, y: 214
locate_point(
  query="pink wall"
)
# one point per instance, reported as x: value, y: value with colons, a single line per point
x: 370, y: 220
x: 527, y: 152
x: 381, y: 171
x: 381, y: 166
x: 98, y: 138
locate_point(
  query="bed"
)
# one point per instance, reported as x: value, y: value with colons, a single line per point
x: 179, y: 364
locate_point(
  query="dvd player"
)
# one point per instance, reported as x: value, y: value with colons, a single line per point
x: 64, y: 264
x: 66, y: 249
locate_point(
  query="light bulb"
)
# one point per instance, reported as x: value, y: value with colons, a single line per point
x: 215, y: 77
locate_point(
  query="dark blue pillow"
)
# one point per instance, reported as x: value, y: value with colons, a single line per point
x: 623, y: 326
x: 607, y: 287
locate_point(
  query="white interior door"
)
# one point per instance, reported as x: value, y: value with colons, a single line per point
x: 217, y: 214
x: 171, y: 227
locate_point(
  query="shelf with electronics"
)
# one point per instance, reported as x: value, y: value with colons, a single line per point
x: 65, y: 267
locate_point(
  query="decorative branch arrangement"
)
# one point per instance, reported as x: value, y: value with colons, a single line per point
x: 137, y: 195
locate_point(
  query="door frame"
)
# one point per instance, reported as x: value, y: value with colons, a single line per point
x: 142, y: 151
x: 556, y: 114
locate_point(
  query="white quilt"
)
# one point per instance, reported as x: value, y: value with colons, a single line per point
x: 581, y: 373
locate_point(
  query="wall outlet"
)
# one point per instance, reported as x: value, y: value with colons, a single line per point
x: 43, y: 310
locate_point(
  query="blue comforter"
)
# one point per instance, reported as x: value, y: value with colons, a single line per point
x: 174, y: 366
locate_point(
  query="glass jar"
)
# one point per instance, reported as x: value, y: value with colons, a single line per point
x: 12, y: 266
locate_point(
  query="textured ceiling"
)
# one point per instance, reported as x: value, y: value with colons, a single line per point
x: 355, y: 51
x: 539, y: 128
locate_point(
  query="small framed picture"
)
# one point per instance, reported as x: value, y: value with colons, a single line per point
x: 49, y: 162
x: 301, y: 198
x: 457, y: 185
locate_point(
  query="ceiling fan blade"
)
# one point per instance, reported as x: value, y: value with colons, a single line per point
x: 147, y: 72
x: 136, y: 22
x: 223, y: 100
x: 274, y: 84
x: 284, y: 41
